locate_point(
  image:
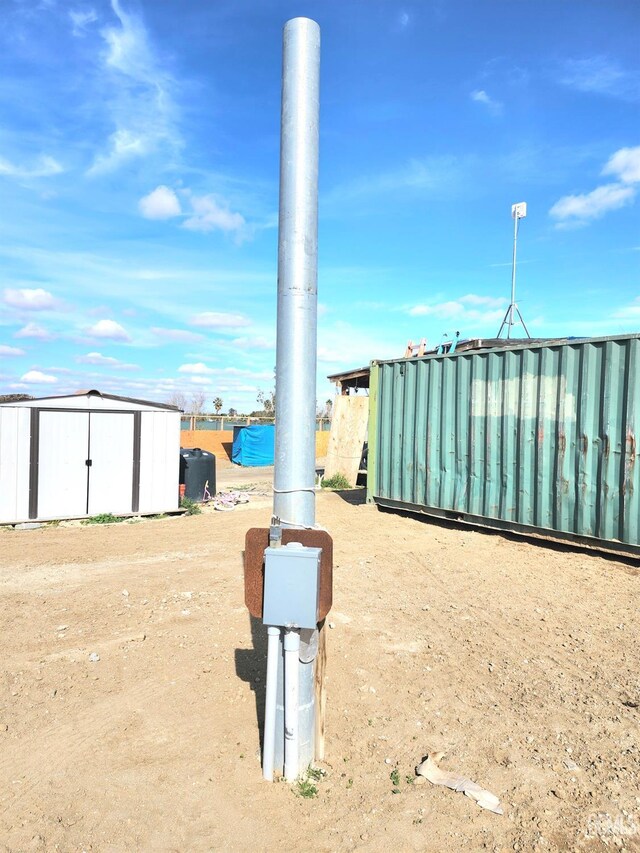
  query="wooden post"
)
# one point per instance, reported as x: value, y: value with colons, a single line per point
x: 321, y: 691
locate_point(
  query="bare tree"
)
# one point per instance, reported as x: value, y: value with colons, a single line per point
x: 268, y: 402
x: 197, y: 403
x: 177, y: 398
x: 324, y: 411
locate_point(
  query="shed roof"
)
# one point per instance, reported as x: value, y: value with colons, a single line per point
x: 90, y: 396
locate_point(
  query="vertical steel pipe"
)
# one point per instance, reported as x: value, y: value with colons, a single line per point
x: 295, y: 448
x: 296, y: 347
x: 271, y: 696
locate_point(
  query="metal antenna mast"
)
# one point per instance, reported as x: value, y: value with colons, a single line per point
x: 518, y: 212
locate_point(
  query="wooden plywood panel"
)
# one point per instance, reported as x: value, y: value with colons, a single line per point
x: 347, y: 438
x: 257, y: 539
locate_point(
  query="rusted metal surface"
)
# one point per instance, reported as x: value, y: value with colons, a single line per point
x: 257, y: 539
x: 541, y: 436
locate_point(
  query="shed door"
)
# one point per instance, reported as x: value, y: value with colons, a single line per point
x: 62, y: 472
x: 111, y: 454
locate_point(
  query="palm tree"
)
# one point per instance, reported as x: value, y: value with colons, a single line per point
x: 217, y: 405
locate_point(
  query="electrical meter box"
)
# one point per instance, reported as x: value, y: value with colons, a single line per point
x: 291, y: 586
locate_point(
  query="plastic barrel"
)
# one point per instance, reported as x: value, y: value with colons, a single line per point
x: 197, y: 473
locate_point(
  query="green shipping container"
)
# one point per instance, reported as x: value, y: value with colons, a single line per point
x: 537, y: 438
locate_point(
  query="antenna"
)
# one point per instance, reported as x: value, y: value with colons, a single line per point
x: 518, y: 212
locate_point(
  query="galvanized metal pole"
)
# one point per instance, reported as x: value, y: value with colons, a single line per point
x: 297, y: 276
x: 294, y: 477
x: 512, y: 307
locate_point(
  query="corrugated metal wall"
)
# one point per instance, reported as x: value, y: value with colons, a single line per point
x: 14, y: 463
x: 159, y: 462
x: 543, y: 436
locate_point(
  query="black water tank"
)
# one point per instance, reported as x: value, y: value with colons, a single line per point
x: 197, y: 471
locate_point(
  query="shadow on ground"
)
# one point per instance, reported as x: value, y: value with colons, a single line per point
x: 251, y: 667
x: 355, y: 497
x: 628, y: 562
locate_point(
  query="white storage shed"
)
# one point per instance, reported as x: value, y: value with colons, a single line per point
x: 86, y: 454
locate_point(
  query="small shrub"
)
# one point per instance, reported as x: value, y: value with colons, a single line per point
x: 395, y: 780
x: 316, y: 774
x: 103, y: 518
x: 306, y: 789
x: 190, y: 507
x: 338, y: 481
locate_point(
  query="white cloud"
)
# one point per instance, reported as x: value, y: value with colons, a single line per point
x: 35, y: 377
x: 252, y: 374
x: 154, y: 275
x: 176, y: 334
x: 200, y: 380
x: 104, y: 361
x: 141, y: 102
x: 218, y: 320
x: 579, y: 209
x: 344, y: 346
x: 81, y: 20
x: 253, y: 343
x: 44, y: 167
x: 481, y: 97
x: 109, y: 330
x: 628, y: 312
x: 10, y: 351
x: 425, y: 175
x: 33, y: 330
x: 161, y: 203
x: 28, y: 299
x: 209, y: 215
x: 624, y: 165
x: 198, y: 368
x: 486, y: 301
x: 601, y: 76
x: 123, y: 145
x: 457, y: 310
x: 575, y: 210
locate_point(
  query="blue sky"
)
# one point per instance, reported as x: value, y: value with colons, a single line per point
x: 139, y: 183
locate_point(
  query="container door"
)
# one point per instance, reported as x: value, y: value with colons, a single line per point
x: 62, y: 470
x: 111, y: 454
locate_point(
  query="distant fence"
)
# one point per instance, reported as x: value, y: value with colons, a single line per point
x: 219, y: 442
x: 222, y: 422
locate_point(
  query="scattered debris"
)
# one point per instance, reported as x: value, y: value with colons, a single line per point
x: 430, y: 770
x: 225, y: 501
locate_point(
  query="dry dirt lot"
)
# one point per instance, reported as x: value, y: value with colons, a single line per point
x: 519, y: 661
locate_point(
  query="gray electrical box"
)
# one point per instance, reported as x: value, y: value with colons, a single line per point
x: 291, y: 586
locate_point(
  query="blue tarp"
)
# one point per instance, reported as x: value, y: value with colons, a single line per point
x: 253, y: 445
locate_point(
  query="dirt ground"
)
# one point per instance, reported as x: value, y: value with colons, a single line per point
x: 519, y: 661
